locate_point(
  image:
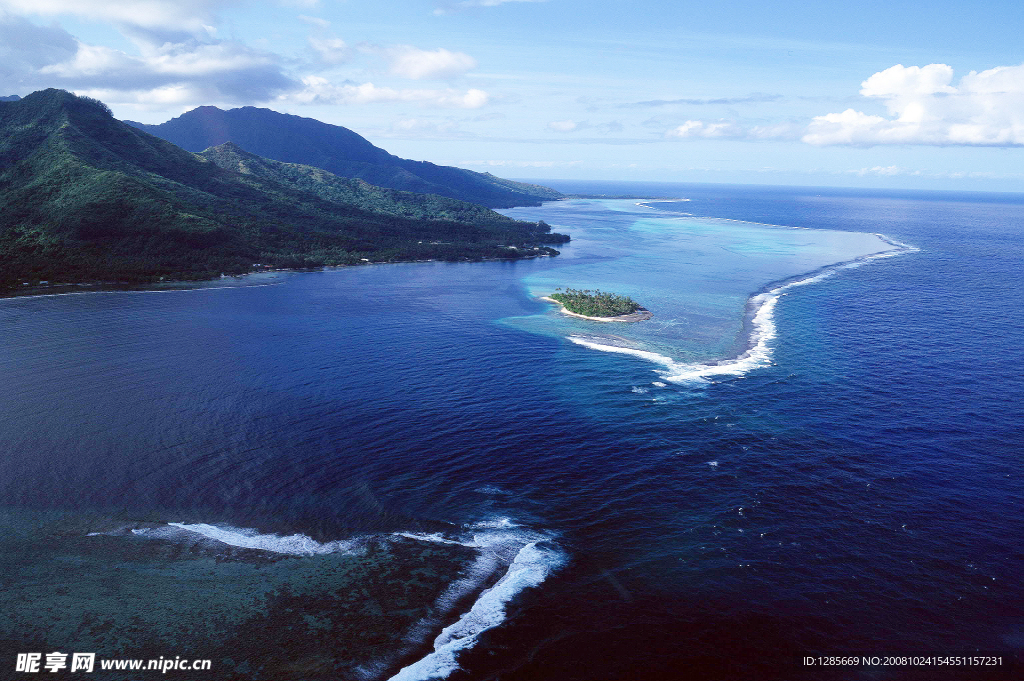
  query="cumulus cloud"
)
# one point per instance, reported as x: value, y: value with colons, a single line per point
x: 182, y: 73
x: 159, y: 17
x: 318, y: 90
x: 187, y: 72
x: 179, y: 95
x: 984, y: 109
x: 411, y: 62
x: 178, y: 60
x: 25, y: 48
x: 732, y: 130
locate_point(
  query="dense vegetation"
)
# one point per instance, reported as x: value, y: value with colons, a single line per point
x: 84, y: 197
x: 293, y: 139
x: 595, y: 303
x: 358, y: 192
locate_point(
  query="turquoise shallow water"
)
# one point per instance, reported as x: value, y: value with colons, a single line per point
x: 336, y: 475
x: 696, y: 274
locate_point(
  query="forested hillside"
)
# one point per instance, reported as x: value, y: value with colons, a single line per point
x: 86, y: 197
x: 294, y: 139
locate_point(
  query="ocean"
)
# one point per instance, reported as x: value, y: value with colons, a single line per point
x: 804, y: 466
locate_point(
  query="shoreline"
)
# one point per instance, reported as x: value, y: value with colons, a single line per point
x: 640, y: 315
x: 28, y: 290
x: 758, y: 324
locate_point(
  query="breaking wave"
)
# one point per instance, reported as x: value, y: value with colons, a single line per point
x: 529, y: 556
x: 760, y: 311
x: 522, y: 557
x: 294, y: 544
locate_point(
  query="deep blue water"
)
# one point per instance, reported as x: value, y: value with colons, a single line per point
x: 857, y: 491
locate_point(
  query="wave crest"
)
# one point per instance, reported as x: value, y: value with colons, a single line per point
x: 762, y: 321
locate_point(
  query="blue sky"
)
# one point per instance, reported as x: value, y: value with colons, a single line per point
x: 878, y: 94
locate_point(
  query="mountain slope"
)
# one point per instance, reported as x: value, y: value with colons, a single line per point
x: 294, y: 139
x: 84, y: 196
x: 352, y: 191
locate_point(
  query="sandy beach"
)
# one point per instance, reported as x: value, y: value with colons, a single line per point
x: 638, y: 316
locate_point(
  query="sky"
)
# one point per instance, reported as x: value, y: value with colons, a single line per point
x: 905, y: 95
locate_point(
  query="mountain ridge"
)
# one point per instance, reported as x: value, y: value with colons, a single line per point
x: 86, y: 197
x: 295, y: 139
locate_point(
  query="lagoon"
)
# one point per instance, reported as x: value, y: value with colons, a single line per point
x: 354, y: 456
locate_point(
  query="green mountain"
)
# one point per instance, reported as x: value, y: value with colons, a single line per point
x: 85, y: 197
x: 294, y: 139
x: 351, y: 191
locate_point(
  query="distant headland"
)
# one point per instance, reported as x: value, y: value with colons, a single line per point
x: 599, y: 305
x: 85, y: 198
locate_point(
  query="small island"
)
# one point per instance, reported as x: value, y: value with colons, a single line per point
x: 599, y: 305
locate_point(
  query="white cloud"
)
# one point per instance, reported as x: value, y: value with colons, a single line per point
x: 733, y: 131
x: 180, y: 95
x: 319, y: 90
x: 449, y: 7
x: 610, y: 128
x: 314, y: 21
x: 563, y: 126
x: 913, y: 81
x: 706, y: 130
x: 175, y: 61
x: 330, y: 50
x: 192, y: 16
x: 223, y: 72
x: 92, y: 60
x: 188, y: 71
x: 411, y: 62
x: 984, y: 109
x: 885, y: 171
x: 25, y: 48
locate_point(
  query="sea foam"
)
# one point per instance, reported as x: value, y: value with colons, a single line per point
x: 530, y: 557
x: 530, y: 567
x: 762, y: 321
x: 294, y: 544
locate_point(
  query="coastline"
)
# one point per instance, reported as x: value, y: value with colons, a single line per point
x: 758, y: 324
x: 28, y: 290
x: 640, y: 315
